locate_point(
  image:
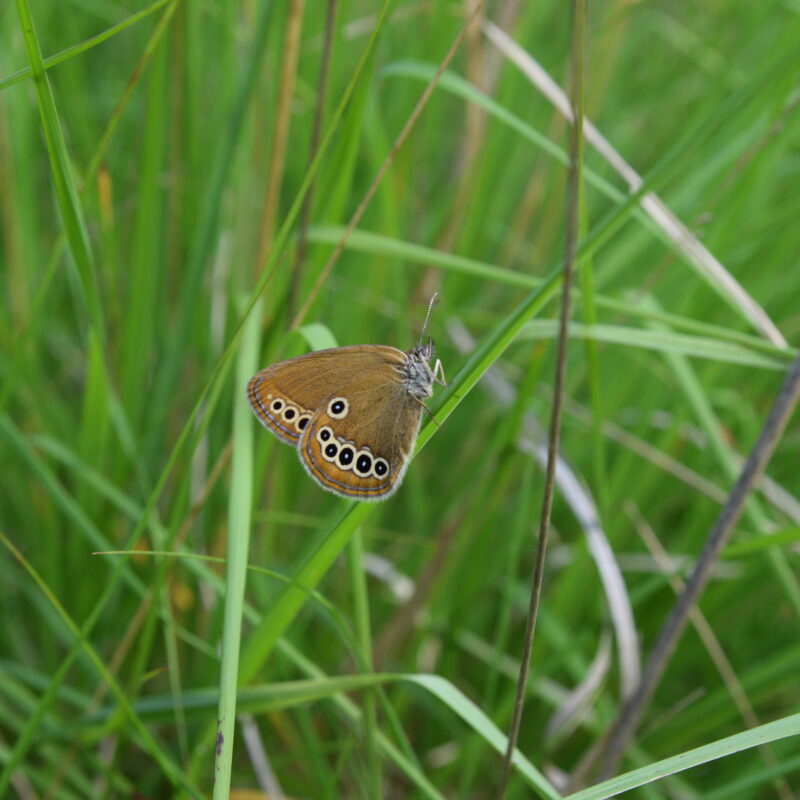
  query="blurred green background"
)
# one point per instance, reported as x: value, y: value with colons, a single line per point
x: 153, y: 184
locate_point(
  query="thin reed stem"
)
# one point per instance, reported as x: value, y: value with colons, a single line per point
x: 573, y: 208
x: 626, y: 723
x: 316, y: 133
x: 376, y: 181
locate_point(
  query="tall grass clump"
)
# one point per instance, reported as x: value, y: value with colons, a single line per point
x: 192, y: 191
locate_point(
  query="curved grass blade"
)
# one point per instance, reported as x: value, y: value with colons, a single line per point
x: 376, y: 244
x: 82, y: 47
x: 763, y: 734
x: 175, y: 774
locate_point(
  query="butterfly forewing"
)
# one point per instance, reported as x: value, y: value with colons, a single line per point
x: 285, y: 395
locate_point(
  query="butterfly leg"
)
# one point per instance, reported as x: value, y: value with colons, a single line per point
x: 428, y: 412
x: 438, y: 373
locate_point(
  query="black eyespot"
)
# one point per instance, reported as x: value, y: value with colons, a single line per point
x: 277, y: 405
x: 302, y: 422
x: 338, y: 407
x: 346, y: 455
x: 330, y: 450
x: 289, y: 413
x: 381, y: 467
x: 363, y: 464
x: 325, y: 434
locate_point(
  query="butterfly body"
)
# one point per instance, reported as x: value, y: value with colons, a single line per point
x: 353, y: 413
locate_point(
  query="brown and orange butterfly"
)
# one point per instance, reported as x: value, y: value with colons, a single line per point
x: 353, y: 413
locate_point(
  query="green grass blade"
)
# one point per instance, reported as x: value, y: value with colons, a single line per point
x: 170, y: 768
x: 240, y: 505
x: 659, y: 341
x: 207, y: 229
x: 82, y: 47
x: 63, y: 179
x: 722, y: 748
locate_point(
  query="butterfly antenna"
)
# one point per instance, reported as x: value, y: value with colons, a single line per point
x: 433, y: 299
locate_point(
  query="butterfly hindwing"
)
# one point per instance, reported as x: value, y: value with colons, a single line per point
x: 359, y: 444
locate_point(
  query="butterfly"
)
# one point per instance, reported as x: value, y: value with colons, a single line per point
x: 352, y: 413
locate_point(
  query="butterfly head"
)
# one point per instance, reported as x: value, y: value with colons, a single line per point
x: 418, y: 375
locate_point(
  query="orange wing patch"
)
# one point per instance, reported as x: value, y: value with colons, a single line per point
x: 286, y: 419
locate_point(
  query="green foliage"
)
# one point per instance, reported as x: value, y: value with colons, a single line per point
x: 143, y: 280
